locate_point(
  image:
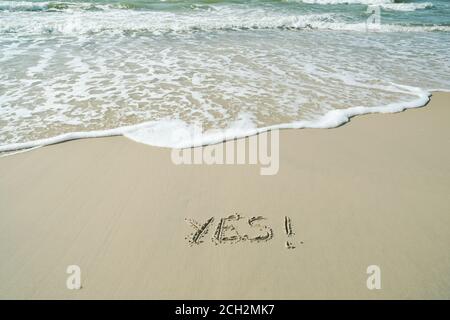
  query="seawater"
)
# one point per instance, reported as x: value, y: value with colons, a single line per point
x: 146, y: 68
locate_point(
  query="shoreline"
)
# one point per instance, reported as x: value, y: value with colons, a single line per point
x: 332, y: 119
x: 371, y: 192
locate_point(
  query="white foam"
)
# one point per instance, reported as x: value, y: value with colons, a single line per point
x: 178, y: 134
x: 80, y: 6
x: 87, y: 84
x: 12, y: 6
x: 367, y: 2
x: 385, y: 4
x: 11, y: 153
x: 407, y: 6
x: 115, y: 21
x: 23, y: 6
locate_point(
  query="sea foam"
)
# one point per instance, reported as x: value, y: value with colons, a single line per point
x: 74, y: 70
x: 178, y: 134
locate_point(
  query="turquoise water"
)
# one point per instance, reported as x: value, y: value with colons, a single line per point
x: 85, y: 66
x: 395, y: 12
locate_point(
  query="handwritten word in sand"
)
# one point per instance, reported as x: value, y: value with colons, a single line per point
x: 236, y: 228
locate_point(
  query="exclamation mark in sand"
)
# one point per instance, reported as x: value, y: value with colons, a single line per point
x: 289, y: 232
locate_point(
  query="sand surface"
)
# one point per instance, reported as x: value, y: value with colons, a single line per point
x: 373, y: 192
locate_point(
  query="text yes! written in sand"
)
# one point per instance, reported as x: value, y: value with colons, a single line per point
x: 236, y: 228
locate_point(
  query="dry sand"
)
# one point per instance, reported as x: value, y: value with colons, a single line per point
x: 373, y: 192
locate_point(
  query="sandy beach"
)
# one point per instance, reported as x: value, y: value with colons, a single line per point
x: 372, y: 192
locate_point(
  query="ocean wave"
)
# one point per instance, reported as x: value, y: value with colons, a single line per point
x: 14, y: 6
x: 164, y: 23
x: 18, y: 6
x: 112, y: 19
x: 407, y: 6
x: 385, y: 4
x: 366, y: 2
x: 23, y: 6
x: 178, y: 134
